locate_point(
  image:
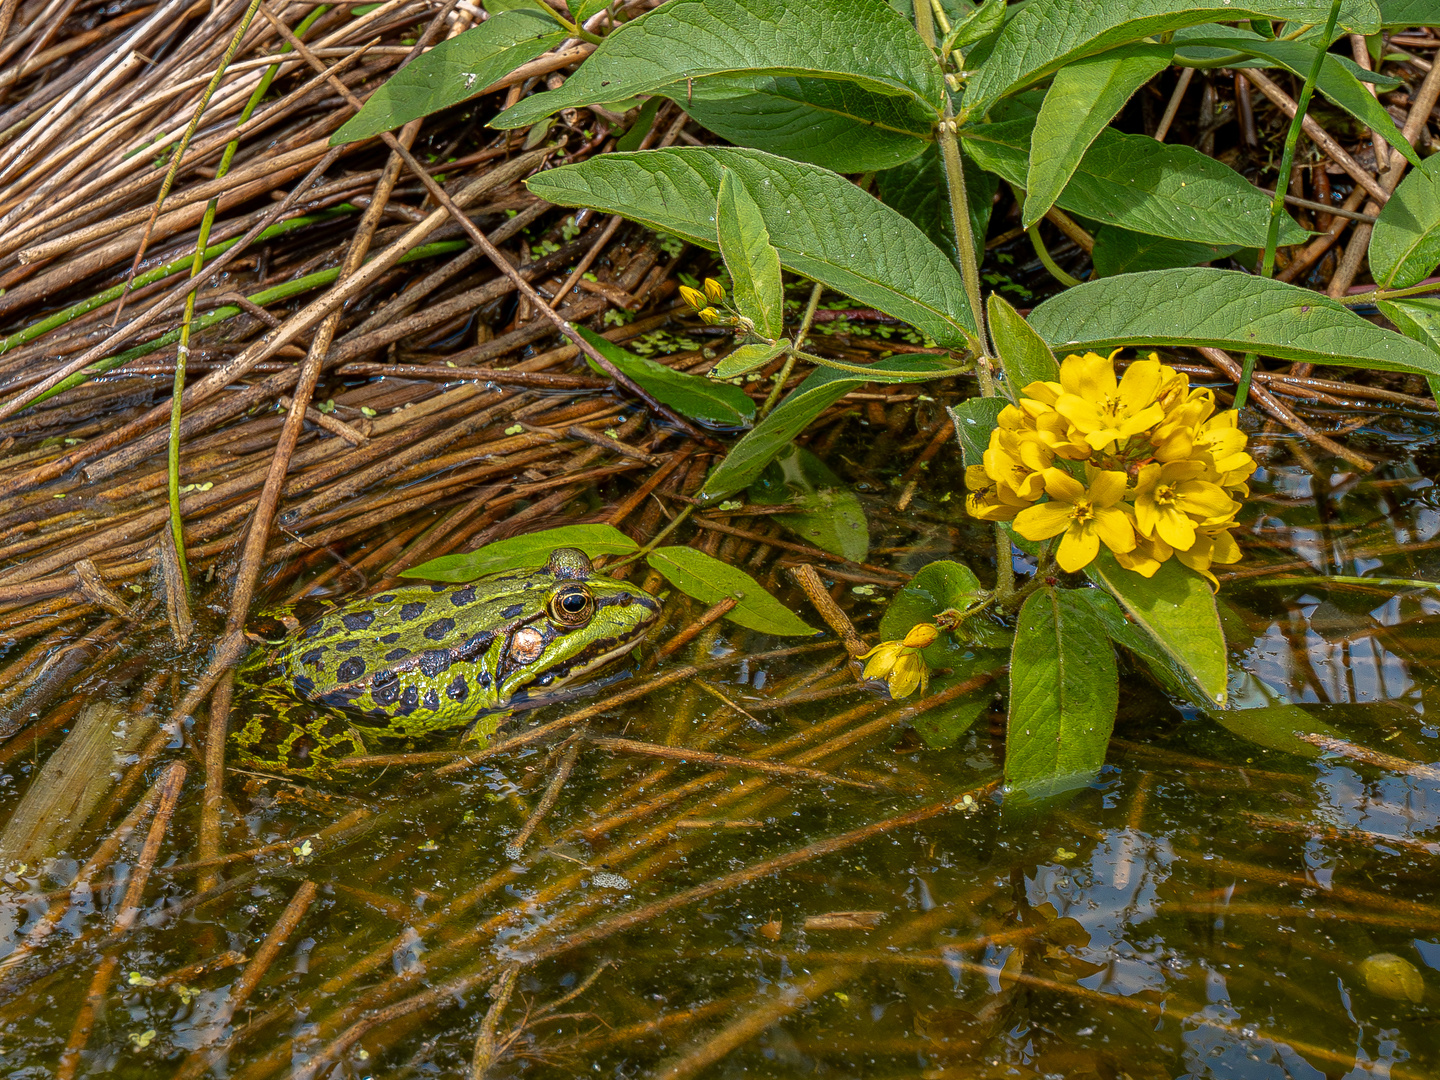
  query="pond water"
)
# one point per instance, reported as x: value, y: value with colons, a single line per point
x: 1206, y: 907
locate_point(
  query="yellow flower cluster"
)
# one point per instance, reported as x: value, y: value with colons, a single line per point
x: 1163, y: 472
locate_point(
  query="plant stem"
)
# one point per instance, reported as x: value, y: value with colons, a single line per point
x: 799, y: 343
x: 959, y: 209
x: 1282, y: 182
x: 949, y: 140
x: 675, y: 522
x: 1047, y: 260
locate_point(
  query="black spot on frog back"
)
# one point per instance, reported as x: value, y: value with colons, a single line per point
x: 357, y: 620
x: 463, y: 596
x: 412, y: 610
x: 440, y: 629
x: 350, y: 670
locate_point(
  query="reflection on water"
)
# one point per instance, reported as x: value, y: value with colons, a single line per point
x: 1202, y: 909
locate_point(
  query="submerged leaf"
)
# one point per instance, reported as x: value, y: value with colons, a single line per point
x: 829, y: 514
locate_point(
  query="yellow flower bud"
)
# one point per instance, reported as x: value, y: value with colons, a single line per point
x: 710, y: 315
x: 694, y: 297
x: 714, y: 290
x: 921, y: 636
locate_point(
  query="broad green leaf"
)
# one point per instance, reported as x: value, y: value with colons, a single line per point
x: 532, y: 549
x: 1403, y: 13
x: 747, y: 358
x: 1048, y: 34
x: 1120, y: 251
x: 1024, y: 355
x: 1144, y: 185
x: 918, y: 190
x: 1419, y: 320
x: 1337, y: 81
x: 586, y: 9
x: 1082, y: 99
x: 829, y: 514
x: 941, y: 586
x: 821, y: 389
x: 864, y: 42
x: 1170, y: 672
x: 1227, y: 310
x: 690, y: 395
x: 709, y: 580
x: 836, y: 125
x: 1406, y: 13
x: 1405, y: 247
x: 942, y: 725
x: 974, y: 419
x: 1063, y: 690
x: 824, y: 227
x: 453, y: 71
x: 644, y: 121
x: 1177, y: 609
x: 753, y: 262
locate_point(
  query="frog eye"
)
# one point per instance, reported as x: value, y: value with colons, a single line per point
x: 571, y: 606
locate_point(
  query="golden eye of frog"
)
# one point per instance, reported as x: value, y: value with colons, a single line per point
x: 423, y: 659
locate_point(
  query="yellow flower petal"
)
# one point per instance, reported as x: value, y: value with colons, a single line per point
x: 1078, y: 548
x: 1043, y: 521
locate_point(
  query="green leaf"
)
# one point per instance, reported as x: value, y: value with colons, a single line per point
x: 1227, y: 310
x: 1337, y: 81
x: 1083, y: 98
x: 917, y: 189
x: 1024, y: 355
x: 1177, y: 609
x: 1048, y: 34
x: 532, y: 549
x: 709, y: 580
x: 586, y: 9
x: 864, y: 42
x: 691, y: 395
x: 980, y: 23
x: 974, y: 420
x: 940, y: 586
x: 829, y: 516
x: 1064, y: 689
x: 453, y: 71
x: 1144, y: 185
x: 1418, y: 320
x: 747, y: 358
x: 836, y: 125
x: 1406, y: 13
x: 821, y: 389
x: 753, y: 262
x: 1120, y: 251
x: 823, y: 226
x: 1405, y: 246
x: 644, y: 121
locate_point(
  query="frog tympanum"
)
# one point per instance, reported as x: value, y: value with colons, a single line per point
x: 424, y: 659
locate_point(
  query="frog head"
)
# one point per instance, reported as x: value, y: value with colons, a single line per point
x: 579, y: 620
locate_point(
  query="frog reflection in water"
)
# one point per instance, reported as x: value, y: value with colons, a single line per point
x: 425, y: 659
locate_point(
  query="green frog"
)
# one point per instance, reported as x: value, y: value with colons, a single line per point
x: 424, y: 659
